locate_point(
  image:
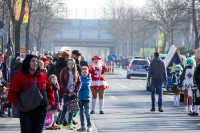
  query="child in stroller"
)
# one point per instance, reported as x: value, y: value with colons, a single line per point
x: 4, y: 103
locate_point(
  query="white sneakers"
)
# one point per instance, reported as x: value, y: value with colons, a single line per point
x: 83, y: 129
x: 89, y: 129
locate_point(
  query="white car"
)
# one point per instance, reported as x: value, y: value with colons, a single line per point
x: 138, y: 68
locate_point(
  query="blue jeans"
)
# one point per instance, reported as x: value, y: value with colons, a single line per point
x: 31, y: 122
x: 64, y: 111
x: 85, y: 104
x: 15, y: 112
x: 156, y: 84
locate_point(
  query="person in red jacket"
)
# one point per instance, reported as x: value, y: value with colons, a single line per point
x: 32, y: 121
x: 99, y: 83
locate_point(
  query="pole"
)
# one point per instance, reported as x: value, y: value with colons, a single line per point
x: 2, y: 30
x: 85, y: 12
x: 143, y: 47
x: 149, y: 48
x: 94, y: 13
x: 66, y: 13
x: 76, y: 12
x: 195, y: 24
x: 157, y: 28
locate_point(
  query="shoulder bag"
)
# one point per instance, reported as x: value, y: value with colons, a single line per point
x: 29, y: 99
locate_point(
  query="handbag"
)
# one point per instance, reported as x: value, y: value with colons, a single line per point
x: 49, y: 119
x: 72, y: 104
x: 29, y: 99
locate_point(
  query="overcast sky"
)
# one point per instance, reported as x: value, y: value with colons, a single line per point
x: 90, y: 9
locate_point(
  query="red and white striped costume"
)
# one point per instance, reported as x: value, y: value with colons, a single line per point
x: 98, y: 76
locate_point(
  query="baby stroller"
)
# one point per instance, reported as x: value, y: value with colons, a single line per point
x: 5, y: 105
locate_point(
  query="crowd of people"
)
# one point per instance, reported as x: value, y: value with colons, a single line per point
x: 65, y: 83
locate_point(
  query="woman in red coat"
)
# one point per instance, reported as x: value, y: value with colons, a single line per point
x: 32, y: 121
x: 99, y: 83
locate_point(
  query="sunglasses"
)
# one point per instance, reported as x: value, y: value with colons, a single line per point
x: 70, y: 63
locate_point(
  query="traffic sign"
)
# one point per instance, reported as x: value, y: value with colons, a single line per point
x: 113, y: 57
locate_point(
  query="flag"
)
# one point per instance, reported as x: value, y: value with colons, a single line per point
x: 10, y: 47
x: 17, y: 9
x: 26, y: 17
x: 160, y: 37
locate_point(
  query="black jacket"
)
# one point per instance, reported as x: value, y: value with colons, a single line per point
x: 197, y: 75
x: 17, y: 68
x: 5, y: 71
x: 51, y: 70
x: 78, y: 66
x: 60, y: 64
x: 83, y: 63
x: 12, y: 67
x: 157, y: 70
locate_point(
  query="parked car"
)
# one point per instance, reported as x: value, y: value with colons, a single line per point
x: 139, y: 57
x: 138, y: 68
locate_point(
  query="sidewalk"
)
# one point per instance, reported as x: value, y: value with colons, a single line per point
x: 12, y: 125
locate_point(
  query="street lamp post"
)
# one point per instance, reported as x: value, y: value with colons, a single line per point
x: 195, y: 22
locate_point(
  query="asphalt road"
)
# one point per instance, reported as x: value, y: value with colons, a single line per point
x: 127, y: 110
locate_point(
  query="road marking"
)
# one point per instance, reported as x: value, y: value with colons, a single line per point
x: 122, y: 86
x: 170, y: 97
x: 112, y: 97
x: 140, y: 85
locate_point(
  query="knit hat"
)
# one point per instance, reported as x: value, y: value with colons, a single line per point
x: 190, y: 62
x: 50, y: 52
x: 96, y: 57
x: 178, y: 67
x: 44, y: 59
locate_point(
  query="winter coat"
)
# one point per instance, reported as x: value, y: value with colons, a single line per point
x: 21, y: 78
x: 83, y: 63
x: 17, y: 68
x: 84, y: 93
x: 60, y: 64
x: 56, y: 90
x: 5, y: 72
x: 12, y: 67
x: 78, y: 66
x: 157, y: 70
x: 64, y: 77
x: 51, y: 70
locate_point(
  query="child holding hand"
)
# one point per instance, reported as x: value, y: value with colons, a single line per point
x: 84, y: 97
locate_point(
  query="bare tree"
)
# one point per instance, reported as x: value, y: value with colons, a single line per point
x: 45, y: 22
x: 16, y: 22
x: 123, y: 21
x: 169, y: 14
